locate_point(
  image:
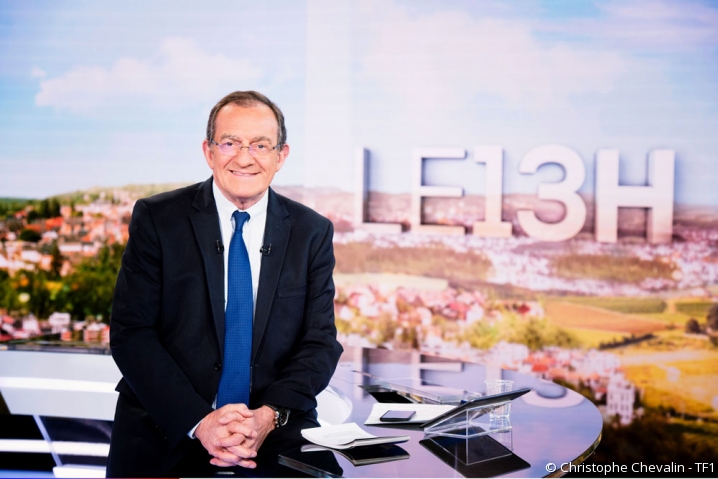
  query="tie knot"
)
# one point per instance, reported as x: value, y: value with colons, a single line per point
x: 240, y: 217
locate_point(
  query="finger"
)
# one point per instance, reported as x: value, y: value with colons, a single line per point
x: 240, y: 428
x: 250, y: 444
x: 231, y: 415
x: 239, y: 408
x: 233, y: 440
x: 247, y: 464
x: 241, y: 451
x: 218, y: 462
x: 226, y: 455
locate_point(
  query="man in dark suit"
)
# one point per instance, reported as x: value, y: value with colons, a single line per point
x: 168, y: 330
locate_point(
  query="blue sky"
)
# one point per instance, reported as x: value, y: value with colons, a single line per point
x: 109, y: 94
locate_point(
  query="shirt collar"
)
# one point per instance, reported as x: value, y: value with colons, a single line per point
x: 226, y: 208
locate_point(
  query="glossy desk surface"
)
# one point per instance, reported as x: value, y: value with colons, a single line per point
x: 551, y: 424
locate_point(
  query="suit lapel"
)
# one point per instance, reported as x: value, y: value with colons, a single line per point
x: 276, y: 234
x: 205, y: 223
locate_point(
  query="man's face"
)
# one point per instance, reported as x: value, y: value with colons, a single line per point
x: 242, y: 178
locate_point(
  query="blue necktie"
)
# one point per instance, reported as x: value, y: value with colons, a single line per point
x: 234, y: 384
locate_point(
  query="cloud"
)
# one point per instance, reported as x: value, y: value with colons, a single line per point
x: 180, y: 74
x: 451, y: 56
x: 674, y: 25
x: 654, y: 25
x: 37, y: 72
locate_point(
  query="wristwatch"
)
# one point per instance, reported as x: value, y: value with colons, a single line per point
x: 281, y: 415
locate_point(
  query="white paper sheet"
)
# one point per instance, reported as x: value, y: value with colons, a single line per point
x: 344, y: 436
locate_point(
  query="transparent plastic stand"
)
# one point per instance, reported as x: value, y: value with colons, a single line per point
x: 473, y: 436
x: 472, y: 422
x: 423, y: 391
x: 465, y: 454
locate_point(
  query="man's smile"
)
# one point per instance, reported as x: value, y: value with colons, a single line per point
x: 242, y: 173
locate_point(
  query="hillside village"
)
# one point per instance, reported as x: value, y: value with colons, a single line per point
x: 434, y: 321
x: 79, y: 232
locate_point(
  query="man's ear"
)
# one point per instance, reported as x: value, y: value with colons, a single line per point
x: 208, y: 153
x: 283, y: 154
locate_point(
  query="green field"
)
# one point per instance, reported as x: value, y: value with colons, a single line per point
x: 608, y: 267
x: 620, y: 304
x: 694, y: 309
x: 678, y: 320
x: 435, y: 261
x: 674, y: 313
x: 675, y: 372
x: 686, y: 387
x: 593, y: 338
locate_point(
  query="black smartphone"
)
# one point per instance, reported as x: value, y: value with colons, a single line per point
x: 397, y: 416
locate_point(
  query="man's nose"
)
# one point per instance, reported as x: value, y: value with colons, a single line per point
x: 243, y: 157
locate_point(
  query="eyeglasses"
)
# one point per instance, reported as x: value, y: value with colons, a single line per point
x: 258, y: 150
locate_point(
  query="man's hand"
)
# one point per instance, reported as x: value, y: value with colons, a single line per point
x: 211, y: 432
x: 262, y: 422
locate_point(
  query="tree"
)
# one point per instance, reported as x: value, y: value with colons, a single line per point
x: 41, y: 208
x: 40, y: 303
x: 53, y: 208
x: 692, y: 326
x: 13, y: 224
x: 481, y: 335
x: 8, y: 297
x: 712, y: 318
x: 89, y: 289
x: 539, y: 333
x: 57, y: 260
x: 8, y: 207
x: 30, y: 235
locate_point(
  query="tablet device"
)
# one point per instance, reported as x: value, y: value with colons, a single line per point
x: 487, y: 402
x: 462, y: 455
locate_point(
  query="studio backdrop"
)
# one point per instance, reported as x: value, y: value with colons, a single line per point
x: 529, y: 184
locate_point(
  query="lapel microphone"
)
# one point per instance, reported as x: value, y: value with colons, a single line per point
x: 220, y: 247
x: 266, y: 249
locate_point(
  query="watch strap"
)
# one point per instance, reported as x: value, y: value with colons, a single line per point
x: 281, y: 415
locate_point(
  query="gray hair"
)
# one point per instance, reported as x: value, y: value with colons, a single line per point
x: 247, y: 98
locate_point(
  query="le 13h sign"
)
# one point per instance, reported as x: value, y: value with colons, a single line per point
x: 657, y: 196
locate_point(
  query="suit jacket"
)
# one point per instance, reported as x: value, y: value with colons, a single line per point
x: 167, y: 325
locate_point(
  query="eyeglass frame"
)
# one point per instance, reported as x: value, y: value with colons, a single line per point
x: 248, y: 147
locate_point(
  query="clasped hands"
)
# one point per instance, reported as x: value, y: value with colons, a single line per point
x: 233, y: 434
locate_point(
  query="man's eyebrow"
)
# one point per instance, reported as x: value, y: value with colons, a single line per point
x: 236, y: 138
x: 230, y: 136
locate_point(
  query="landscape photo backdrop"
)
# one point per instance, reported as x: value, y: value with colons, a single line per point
x: 529, y: 184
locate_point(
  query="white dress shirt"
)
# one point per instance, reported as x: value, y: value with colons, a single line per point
x: 252, y: 233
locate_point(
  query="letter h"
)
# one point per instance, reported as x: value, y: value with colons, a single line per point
x: 657, y: 196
